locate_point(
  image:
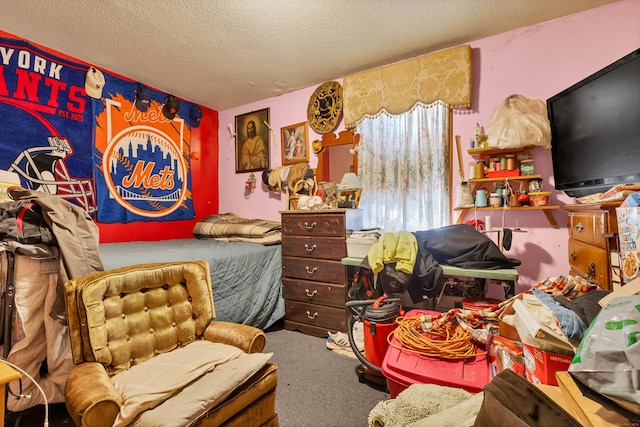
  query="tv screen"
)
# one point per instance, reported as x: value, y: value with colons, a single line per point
x: 595, y: 130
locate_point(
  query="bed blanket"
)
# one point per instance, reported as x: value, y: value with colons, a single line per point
x: 245, y: 277
x: 231, y: 227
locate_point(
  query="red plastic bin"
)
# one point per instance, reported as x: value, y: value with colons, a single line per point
x: 402, y: 369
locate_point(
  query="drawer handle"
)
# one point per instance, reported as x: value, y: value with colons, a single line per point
x: 309, y: 249
x: 312, y: 316
x: 313, y: 270
x: 309, y: 227
x: 579, y: 227
x: 311, y: 294
x: 573, y: 256
x: 591, y: 273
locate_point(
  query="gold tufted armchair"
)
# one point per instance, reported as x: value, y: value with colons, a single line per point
x: 139, y: 320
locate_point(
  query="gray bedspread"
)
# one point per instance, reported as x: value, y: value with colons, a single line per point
x: 246, y: 277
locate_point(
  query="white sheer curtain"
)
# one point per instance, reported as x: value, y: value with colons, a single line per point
x: 404, y: 168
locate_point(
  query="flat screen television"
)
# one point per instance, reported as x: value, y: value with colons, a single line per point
x: 595, y: 130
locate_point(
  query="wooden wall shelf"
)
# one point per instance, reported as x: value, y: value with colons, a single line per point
x: 493, y: 150
x: 505, y: 178
x: 545, y: 209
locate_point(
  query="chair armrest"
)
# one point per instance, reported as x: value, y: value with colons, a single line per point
x: 90, y: 396
x: 247, y: 338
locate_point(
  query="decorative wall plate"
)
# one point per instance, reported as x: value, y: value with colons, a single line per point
x: 325, y: 107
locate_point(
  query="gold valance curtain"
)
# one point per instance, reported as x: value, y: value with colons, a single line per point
x: 396, y: 88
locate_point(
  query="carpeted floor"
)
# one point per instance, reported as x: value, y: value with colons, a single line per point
x: 317, y: 386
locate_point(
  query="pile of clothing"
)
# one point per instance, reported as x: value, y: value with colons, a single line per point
x: 410, y: 263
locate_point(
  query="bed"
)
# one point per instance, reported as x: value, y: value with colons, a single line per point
x: 245, y: 276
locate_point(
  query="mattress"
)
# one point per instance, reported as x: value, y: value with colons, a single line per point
x: 245, y: 277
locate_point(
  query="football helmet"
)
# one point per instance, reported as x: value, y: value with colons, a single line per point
x: 44, y: 169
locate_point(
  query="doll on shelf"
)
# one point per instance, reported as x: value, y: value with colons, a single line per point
x: 480, y: 137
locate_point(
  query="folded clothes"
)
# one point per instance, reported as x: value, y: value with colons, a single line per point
x: 586, y: 306
x: 570, y: 323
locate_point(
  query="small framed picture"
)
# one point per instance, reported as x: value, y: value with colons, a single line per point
x: 252, y: 141
x: 349, y: 198
x: 295, y: 148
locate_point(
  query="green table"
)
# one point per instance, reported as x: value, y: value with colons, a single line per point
x: 510, y: 274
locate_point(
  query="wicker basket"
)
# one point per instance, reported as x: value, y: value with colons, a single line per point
x: 293, y: 201
x: 294, y: 196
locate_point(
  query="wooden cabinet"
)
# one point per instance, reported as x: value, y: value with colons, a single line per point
x: 314, y: 280
x: 7, y: 375
x: 593, y: 243
x: 486, y: 183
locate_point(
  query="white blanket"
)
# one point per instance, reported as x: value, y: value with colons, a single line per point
x: 193, y: 378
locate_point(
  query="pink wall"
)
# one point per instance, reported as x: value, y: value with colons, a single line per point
x: 536, y: 61
x: 284, y: 110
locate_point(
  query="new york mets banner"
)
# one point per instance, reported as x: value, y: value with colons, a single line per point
x: 45, y: 125
x: 141, y: 155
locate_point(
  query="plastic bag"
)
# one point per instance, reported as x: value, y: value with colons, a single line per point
x: 607, y: 361
x: 519, y: 121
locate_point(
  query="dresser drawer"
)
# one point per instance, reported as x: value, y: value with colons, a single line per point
x: 589, y: 227
x: 314, y: 269
x: 590, y: 262
x: 314, y: 292
x: 327, y: 225
x: 314, y: 247
x: 329, y: 318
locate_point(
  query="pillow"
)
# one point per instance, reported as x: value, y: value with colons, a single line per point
x: 208, y: 392
x: 231, y: 225
x: 150, y: 383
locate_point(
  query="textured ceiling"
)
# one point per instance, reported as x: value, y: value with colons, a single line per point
x: 227, y: 53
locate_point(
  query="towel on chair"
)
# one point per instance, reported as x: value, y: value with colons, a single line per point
x: 421, y: 401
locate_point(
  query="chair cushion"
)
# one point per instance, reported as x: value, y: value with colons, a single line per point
x: 191, y: 379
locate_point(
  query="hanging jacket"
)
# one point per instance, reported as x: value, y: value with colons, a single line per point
x: 76, y: 234
x: 400, y: 248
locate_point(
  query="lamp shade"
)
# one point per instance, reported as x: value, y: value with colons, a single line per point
x: 349, y: 181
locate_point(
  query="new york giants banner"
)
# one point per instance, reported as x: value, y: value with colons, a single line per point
x: 141, y: 156
x: 45, y: 125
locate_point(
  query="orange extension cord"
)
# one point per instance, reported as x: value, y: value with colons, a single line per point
x: 447, y: 341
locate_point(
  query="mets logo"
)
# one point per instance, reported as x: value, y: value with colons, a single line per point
x: 145, y: 172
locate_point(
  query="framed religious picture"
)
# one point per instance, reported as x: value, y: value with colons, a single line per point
x: 295, y: 146
x: 252, y: 141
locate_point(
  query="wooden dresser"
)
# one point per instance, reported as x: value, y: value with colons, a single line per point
x: 314, y: 280
x: 593, y: 243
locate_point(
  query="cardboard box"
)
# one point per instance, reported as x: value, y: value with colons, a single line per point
x: 629, y: 239
x: 631, y: 288
x: 587, y: 411
x: 358, y: 247
x: 541, y: 366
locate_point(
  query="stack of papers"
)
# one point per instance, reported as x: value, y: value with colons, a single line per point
x: 368, y: 234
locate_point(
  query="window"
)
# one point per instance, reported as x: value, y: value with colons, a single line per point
x: 404, y: 168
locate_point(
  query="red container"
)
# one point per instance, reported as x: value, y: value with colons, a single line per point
x: 375, y: 341
x: 541, y: 366
x: 501, y: 174
x: 402, y: 368
x: 480, y: 303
